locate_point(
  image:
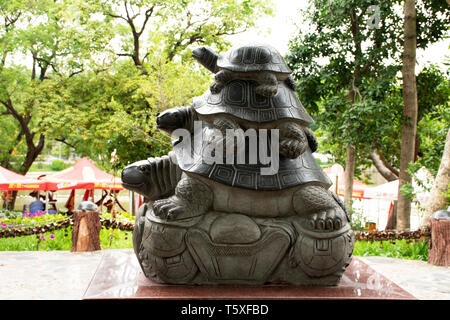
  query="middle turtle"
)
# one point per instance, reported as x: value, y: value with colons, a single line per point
x: 298, y: 188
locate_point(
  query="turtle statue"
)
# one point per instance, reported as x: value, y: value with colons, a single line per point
x: 261, y: 63
x: 228, y: 223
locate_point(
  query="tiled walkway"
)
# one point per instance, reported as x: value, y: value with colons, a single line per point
x: 62, y: 275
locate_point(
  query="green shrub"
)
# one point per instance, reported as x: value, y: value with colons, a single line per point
x: 58, y: 165
x: 403, y: 249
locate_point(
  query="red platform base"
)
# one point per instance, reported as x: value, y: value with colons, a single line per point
x: 119, y: 276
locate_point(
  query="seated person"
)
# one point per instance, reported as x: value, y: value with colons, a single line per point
x: 37, y: 205
x: 52, y: 209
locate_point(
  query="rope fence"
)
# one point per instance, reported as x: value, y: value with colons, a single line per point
x: 125, y: 225
x: 19, y: 230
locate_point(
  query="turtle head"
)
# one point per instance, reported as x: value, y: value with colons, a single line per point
x: 206, y: 57
x: 170, y: 120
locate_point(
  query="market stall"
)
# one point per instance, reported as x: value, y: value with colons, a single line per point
x: 84, y: 174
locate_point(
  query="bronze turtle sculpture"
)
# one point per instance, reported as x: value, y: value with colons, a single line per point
x: 213, y: 222
x: 261, y: 63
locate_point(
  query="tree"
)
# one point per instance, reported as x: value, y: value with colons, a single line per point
x: 440, y: 193
x: 409, y: 112
x: 345, y: 43
x: 339, y: 67
x: 53, y: 40
x: 149, y: 70
x: 177, y: 25
x: 56, y: 45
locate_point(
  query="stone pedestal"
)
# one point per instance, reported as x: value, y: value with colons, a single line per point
x: 119, y: 276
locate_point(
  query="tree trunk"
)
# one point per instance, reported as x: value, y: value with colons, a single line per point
x: 349, y: 174
x: 86, y: 231
x: 439, y: 253
x: 392, y: 221
x: 409, y: 112
x: 438, y: 200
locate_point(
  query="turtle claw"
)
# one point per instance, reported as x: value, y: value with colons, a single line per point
x: 215, y: 87
x: 159, y: 206
x: 167, y: 208
x: 174, y: 212
x: 328, y: 220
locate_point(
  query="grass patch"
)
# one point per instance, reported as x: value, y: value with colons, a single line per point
x: 403, y: 249
x: 59, y: 239
x: 62, y: 240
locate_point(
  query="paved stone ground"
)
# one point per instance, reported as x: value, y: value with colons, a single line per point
x: 423, y: 280
x: 63, y: 275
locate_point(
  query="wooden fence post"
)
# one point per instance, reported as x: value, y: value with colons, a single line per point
x: 439, y: 249
x: 86, y: 229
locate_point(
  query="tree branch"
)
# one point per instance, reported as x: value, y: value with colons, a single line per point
x: 63, y: 140
x: 148, y: 14
x: 76, y: 72
x: 385, y: 172
x: 384, y: 161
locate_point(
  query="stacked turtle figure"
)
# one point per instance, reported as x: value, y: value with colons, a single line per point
x: 221, y: 222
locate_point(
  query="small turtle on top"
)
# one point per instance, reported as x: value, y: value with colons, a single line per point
x: 260, y: 63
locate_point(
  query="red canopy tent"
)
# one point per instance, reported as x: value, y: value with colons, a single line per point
x: 336, y: 172
x: 389, y: 191
x: 83, y: 175
x: 9, y: 180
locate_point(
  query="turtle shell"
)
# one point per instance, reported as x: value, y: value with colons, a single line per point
x: 253, y: 58
x: 238, y: 98
x: 291, y: 172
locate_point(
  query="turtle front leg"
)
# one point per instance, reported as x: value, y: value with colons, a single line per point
x: 268, y: 84
x: 323, y: 210
x: 224, y: 124
x: 192, y: 198
x: 221, y: 78
x: 293, y: 141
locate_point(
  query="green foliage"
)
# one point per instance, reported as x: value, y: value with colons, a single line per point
x: 60, y: 239
x: 17, y: 219
x: 347, y: 77
x: 358, y: 220
x: 94, y: 74
x: 39, y: 41
x: 402, y: 249
x: 122, y: 216
x: 117, y: 109
x: 58, y: 165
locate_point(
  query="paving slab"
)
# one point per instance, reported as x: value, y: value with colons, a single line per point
x: 425, y: 281
x: 65, y: 275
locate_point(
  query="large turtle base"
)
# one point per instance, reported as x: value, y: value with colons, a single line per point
x: 229, y: 248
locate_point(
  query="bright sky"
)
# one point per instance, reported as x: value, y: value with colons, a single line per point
x: 276, y: 30
x: 283, y: 29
